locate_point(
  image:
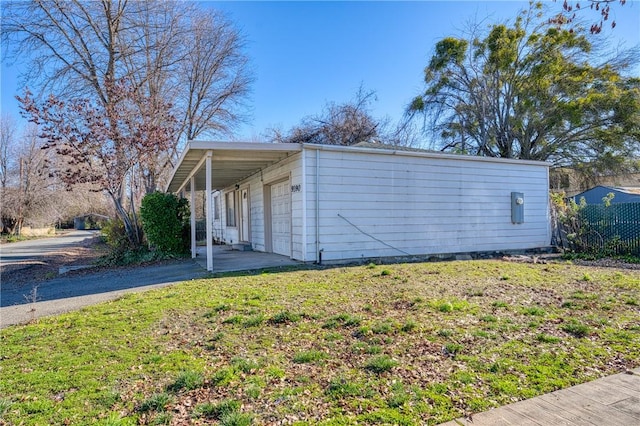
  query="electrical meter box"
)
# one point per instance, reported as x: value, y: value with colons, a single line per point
x: 517, y: 207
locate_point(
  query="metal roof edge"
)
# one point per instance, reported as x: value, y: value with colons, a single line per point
x: 387, y: 151
x: 244, y: 146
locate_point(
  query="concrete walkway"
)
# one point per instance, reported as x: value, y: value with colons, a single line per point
x: 227, y: 260
x: 610, y: 401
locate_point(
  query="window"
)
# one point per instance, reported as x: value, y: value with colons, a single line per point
x: 216, y: 207
x: 230, y: 200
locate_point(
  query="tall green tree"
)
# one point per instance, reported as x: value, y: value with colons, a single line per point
x: 532, y: 91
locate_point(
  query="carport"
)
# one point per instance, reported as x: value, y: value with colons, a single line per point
x: 210, y: 166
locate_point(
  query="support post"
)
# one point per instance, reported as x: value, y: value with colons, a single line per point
x: 208, y: 214
x: 192, y: 206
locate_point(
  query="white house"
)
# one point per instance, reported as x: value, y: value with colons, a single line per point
x: 317, y: 203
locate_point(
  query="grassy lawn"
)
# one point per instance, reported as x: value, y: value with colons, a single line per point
x: 388, y: 344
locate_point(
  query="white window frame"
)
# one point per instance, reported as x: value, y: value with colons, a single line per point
x: 231, y: 209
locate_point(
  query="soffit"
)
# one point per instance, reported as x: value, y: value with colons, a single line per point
x: 231, y: 162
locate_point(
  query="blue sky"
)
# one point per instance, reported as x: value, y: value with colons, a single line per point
x: 305, y: 54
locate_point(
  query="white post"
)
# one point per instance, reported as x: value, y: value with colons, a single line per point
x: 192, y: 205
x: 208, y: 214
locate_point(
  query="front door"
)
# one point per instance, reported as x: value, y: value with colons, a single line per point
x: 244, y: 215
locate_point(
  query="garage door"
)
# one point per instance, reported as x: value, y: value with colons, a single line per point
x: 281, y: 218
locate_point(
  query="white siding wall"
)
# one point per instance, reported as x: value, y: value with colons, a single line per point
x: 289, y: 168
x: 406, y: 204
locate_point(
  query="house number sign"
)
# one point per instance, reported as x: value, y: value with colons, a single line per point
x: 296, y: 188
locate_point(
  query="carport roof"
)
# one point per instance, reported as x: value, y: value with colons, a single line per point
x: 231, y: 162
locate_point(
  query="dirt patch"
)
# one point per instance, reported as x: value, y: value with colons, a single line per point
x: 557, y: 258
x: 46, y: 268
x: 608, y: 263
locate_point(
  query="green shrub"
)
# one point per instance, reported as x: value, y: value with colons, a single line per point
x: 115, y: 236
x: 165, y: 221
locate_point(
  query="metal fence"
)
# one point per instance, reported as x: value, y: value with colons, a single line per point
x: 613, y: 229
x: 201, y: 230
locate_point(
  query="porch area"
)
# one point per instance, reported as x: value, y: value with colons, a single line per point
x: 225, y: 259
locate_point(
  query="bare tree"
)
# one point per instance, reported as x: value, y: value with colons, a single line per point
x: 215, y: 77
x: 104, y: 145
x: 338, y: 124
x: 33, y: 195
x: 199, y: 68
x: 185, y: 55
x: 169, y: 54
x: 7, y: 145
x: 28, y: 197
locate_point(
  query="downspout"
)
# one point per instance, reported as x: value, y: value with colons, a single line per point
x: 318, y: 254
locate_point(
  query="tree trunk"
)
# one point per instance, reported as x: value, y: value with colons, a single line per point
x: 130, y: 227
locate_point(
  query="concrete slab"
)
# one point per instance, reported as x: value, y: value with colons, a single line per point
x: 225, y: 259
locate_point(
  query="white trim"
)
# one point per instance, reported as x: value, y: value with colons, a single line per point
x: 303, y: 182
x: 193, y: 172
x: 318, y: 206
x: 193, y: 217
x: 241, y: 234
x: 208, y: 213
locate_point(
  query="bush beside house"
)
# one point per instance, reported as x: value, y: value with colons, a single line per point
x: 165, y: 221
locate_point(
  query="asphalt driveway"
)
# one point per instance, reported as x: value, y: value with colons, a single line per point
x: 66, y: 294
x: 38, y: 249
x: 20, y: 303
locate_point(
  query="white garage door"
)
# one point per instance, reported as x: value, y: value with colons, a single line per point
x: 281, y: 218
